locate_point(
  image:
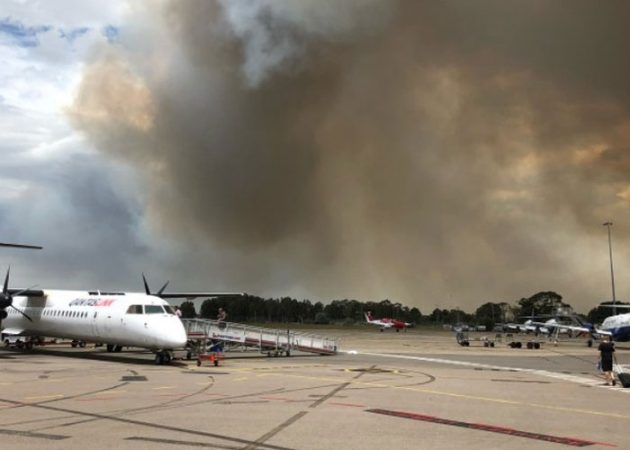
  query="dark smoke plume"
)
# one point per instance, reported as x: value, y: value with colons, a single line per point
x: 436, y: 153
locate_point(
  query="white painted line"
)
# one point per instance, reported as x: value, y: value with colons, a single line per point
x: 544, y: 373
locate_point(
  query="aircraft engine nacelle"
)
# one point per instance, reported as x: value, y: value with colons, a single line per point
x: 5, y: 301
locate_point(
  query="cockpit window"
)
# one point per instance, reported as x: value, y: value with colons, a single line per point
x: 153, y: 309
x: 168, y: 309
x: 134, y: 309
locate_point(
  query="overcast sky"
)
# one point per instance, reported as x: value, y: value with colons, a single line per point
x: 439, y: 154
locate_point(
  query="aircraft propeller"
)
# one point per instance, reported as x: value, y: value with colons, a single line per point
x: 148, y: 291
x: 6, y: 299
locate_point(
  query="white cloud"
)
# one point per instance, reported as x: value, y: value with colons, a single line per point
x: 58, y: 192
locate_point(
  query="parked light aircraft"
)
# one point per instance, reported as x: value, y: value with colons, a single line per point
x: 618, y: 325
x: 116, y: 318
x: 529, y: 326
x: 386, y: 322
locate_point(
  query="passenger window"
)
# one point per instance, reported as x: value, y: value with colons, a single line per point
x: 153, y: 309
x: 134, y: 309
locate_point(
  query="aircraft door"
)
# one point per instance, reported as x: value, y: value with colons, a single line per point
x: 135, y: 323
x: 108, y: 323
x: 95, y: 328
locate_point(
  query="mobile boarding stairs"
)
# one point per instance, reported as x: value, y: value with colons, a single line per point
x: 267, y: 340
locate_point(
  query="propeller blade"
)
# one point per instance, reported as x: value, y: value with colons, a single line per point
x: 21, y: 312
x: 5, y: 289
x: 162, y: 288
x: 34, y: 247
x: 146, y: 285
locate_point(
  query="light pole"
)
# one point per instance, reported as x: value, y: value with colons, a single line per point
x: 612, y: 273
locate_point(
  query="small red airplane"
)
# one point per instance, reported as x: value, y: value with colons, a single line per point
x: 387, y: 323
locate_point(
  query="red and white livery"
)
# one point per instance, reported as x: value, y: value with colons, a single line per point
x: 386, y: 322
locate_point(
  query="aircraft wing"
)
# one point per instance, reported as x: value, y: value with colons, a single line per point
x: 579, y: 329
x: 27, y: 292
x: 199, y: 294
x: 563, y: 326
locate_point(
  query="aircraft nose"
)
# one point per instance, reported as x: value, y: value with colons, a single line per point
x: 174, y: 335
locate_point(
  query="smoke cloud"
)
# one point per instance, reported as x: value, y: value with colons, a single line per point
x: 435, y: 153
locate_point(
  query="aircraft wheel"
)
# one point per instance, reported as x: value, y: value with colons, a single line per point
x: 110, y: 348
x: 536, y: 345
x: 82, y: 344
x: 159, y: 358
x: 118, y: 348
x: 198, y: 362
x: 491, y: 344
x: 73, y: 344
x: 589, y: 343
x: 288, y: 353
x: 188, y: 356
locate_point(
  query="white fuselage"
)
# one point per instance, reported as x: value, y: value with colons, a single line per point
x: 129, y: 319
x: 618, y: 326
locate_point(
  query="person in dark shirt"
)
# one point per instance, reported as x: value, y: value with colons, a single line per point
x: 221, y: 318
x: 606, y: 359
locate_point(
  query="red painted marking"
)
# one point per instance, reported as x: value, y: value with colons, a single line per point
x: 574, y: 442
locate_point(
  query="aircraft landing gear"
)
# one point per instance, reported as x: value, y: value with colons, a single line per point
x: 163, y: 357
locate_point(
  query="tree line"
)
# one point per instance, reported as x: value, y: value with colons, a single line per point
x: 254, y: 309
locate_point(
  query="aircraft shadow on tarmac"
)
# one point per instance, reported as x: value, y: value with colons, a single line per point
x: 122, y: 357
x: 129, y: 356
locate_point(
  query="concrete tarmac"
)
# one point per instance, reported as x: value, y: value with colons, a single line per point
x: 417, y: 389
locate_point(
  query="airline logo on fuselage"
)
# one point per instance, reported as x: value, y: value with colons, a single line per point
x: 92, y: 302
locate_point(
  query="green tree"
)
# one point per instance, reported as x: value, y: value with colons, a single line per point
x: 542, y: 303
x: 597, y: 314
x: 188, y: 310
x: 490, y: 313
